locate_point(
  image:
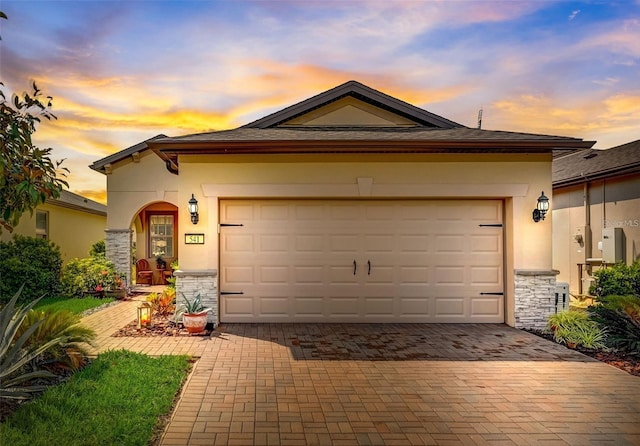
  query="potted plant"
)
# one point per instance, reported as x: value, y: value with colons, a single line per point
x: 160, y: 262
x: 194, y: 314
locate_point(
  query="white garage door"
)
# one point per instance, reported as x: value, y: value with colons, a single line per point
x: 361, y: 261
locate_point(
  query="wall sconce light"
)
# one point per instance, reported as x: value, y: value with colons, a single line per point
x: 144, y: 315
x: 541, y: 209
x: 193, y: 210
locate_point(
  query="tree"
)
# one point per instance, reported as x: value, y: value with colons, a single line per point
x: 27, y: 175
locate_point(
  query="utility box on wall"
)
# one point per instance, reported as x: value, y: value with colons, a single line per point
x: 582, y: 241
x: 612, y: 245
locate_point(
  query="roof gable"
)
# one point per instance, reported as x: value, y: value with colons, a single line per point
x: 362, y: 93
x: 349, y: 112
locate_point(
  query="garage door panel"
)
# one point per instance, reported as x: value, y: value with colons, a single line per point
x: 485, y: 243
x: 414, y: 242
x: 381, y: 274
x: 380, y: 243
x: 274, y: 274
x: 486, y: 306
x: 238, y: 306
x: 273, y: 212
x: 274, y: 306
x: 430, y: 260
x: 449, y: 275
x: 344, y: 243
x: 309, y: 243
x: 239, y: 275
x: 343, y: 306
x: 450, y: 306
x: 415, y: 307
x: 312, y: 306
x: 274, y: 243
x: 308, y: 274
x: 483, y: 275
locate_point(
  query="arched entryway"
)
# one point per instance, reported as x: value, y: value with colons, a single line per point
x: 154, y: 235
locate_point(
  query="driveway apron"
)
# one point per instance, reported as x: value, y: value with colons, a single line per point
x: 388, y: 384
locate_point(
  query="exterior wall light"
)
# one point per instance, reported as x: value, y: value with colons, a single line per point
x: 193, y: 210
x: 541, y: 209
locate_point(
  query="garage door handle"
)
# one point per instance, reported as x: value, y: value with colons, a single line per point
x: 227, y: 293
x: 492, y: 294
x: 355, y: 267
x: 368, y: 267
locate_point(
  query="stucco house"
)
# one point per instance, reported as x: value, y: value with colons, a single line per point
x: 71, y: 221
x: 350, y: 206
x: 596, y: 212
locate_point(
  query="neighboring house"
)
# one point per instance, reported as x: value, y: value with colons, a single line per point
x: 350, y: 206
x: 596, y: 212
x: 72, y: 222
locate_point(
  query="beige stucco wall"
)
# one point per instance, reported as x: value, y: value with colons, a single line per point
x: 133, y: 185
x: 72, y: 230
x: 518, y: 180
x: 612, y: 203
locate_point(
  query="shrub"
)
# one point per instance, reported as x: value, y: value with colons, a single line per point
x: 621, y: 317
x: 99, y: 248
x: 618, y: 279
x: 163, y: 304
x: 92, y: 274
x: 62, y: 324
x: 16, y: 377
x: 576, y: 327
x: 33, y: 262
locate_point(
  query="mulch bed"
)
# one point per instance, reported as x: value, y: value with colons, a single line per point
x: 624, y: 361
x: 162, y: 326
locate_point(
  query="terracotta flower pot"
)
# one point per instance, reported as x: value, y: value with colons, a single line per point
x: 195, y: 322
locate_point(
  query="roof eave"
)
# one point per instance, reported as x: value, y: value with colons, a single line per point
x: 169, y: 150
x: 595, y: 176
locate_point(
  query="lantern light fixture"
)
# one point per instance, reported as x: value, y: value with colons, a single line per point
x: 144, y: 315
x: 193, y: 210
x: 541, y: 208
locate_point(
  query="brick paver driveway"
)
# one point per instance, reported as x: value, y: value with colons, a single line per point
x: 392, y: 384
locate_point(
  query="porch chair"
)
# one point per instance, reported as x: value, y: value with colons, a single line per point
x: 144, y: 274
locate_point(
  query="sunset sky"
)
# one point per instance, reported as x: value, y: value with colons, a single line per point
x: 123, y: 71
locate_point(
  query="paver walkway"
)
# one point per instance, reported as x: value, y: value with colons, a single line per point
x: 387, y: 384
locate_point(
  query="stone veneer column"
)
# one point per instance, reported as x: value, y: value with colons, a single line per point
x: 118, y: 250
x: 203, y: 282
x: 534, y: 297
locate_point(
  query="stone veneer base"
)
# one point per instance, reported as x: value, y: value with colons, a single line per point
x: 534, y: 297
x: 203, y: 282
x: 118, y: 250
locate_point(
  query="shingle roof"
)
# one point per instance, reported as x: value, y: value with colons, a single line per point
x: 74, y: 201
x: 122, y: 154
x: 431, y: 134
x: 594, y: 164
x: 244, y: 134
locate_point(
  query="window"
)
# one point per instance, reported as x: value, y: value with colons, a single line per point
x: 42, y: 224
x: 161, y: 231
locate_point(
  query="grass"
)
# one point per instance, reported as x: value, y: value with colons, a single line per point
x: 117, y: 400
x: 75, y: 305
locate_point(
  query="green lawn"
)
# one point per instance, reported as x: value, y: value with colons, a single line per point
x: 75, y: 305
x: 117, y: 400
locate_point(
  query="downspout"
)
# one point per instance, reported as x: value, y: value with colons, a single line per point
x: 587, y: 218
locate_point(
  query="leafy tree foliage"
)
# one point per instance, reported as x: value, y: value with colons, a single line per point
x: 28, y: 176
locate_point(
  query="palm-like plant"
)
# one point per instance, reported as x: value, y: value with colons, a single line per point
x: 61, y: 324
x: 14, y: 357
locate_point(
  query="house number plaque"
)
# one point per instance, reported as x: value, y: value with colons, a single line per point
x: 194, y: 239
